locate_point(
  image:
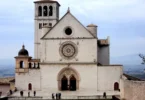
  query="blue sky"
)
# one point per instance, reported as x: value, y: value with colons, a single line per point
x: 122, y: 20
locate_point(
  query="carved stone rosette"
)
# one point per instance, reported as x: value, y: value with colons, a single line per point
x: 68, y: 50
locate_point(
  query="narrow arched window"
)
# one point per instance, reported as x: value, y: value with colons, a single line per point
x: 34, y: 65
x: 45, y: 11
x: 29, y: 86
x: 116, y: 86
x: 21, y: 64
x: 50, y: 11
x: 30, y: 65
x: 39, y: 11
x: 38, y: 65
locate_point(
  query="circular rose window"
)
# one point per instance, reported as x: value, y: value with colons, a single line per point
x: 68, y: 50
x: 68, y: 31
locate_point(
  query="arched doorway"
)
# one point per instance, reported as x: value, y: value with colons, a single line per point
x: 29, y: 86
x: 64, y: 85
x: 72, y: 83
x: 68, y: 79
x: 116, y: 86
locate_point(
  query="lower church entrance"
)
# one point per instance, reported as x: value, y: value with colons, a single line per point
x: 68, y: 79
x: 69, y: 85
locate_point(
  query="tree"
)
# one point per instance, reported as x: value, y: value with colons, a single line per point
x: 143, y: 58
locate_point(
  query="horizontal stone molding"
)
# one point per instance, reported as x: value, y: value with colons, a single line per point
x: 71, y: 63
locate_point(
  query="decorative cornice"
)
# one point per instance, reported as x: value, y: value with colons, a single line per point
x: 66, y: 38
x: 43, y: 18
x: 71, y: 63
x: 43, y: 1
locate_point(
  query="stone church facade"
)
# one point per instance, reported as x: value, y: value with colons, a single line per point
x: 69, y: 58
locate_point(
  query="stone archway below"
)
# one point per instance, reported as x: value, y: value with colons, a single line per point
x: 70, y: 76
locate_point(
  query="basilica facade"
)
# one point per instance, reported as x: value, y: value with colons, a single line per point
x: 69, y: 57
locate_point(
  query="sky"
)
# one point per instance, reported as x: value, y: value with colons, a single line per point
x: 122, y: 20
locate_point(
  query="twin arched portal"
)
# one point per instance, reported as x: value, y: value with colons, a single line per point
x: 68, y: 79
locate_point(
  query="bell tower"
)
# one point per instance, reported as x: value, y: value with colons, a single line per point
x: 46, y: 14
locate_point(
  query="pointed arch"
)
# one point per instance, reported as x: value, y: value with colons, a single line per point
x: 62, y: 71
x: 45, y: 11
x: 73, y: 82
x: 64, y: 83
x: 39, y: 11
x: 50, y: 11
x: 72, y: 76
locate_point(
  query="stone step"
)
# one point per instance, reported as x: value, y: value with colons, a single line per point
x: 63, y: 98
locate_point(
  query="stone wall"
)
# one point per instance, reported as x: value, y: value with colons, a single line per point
x: 23, y: 79
x: 87, y: 77
x: 134, y: 90
x: 108, y: 76
x: 86, y: 53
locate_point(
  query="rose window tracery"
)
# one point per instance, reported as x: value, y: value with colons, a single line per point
x: 68, y: 50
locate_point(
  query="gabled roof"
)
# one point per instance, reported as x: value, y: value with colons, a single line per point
x: 68, y: 12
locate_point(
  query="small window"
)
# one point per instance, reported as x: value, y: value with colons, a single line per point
x: 50, y: 24
x: 50, y: 11
x: 29, y: 86
x: 116, y: 86
x: 34, y: 65
x: 45, y: 11
x: 44, y: 24
x: 39, y: 11
x: 30, y: 65
x: 68, y: 31
x: 38, y: 65
x: 21, y: 64
x: 40, y: 25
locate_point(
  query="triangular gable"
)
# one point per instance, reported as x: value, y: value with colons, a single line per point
x: 68, y: 20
